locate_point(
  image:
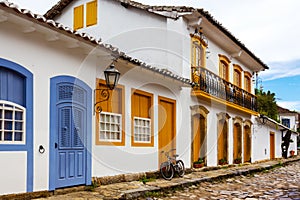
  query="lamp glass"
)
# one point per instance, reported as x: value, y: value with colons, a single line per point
x: 111, y: 76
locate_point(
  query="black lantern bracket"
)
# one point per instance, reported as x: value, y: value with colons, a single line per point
x: 112, y: 76
x: 263, y: 119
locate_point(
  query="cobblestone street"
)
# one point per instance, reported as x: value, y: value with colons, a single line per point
x: 280, y: 183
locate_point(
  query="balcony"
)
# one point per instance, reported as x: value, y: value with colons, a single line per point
x: 209, y: 84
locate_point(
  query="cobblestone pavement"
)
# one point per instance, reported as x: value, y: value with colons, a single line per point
x: 280, y: 183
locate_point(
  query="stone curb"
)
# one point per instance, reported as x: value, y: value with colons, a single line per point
x: 249, y: 169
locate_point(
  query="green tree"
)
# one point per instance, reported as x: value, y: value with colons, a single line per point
x: 266, y: 104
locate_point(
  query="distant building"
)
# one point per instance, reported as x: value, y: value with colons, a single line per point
x: 288, y: 118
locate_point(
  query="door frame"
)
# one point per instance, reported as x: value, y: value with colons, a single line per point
x: 172, y: 101
x: 53, y: 133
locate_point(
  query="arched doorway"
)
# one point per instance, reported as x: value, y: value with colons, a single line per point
x: 237, y: 143
x: 247, y: 142
x: 223, y: 138
x: 199, y: 133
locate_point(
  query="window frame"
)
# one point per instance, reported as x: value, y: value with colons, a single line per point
x: 197, y: 42
x: 237, y: 69
x: 226, y: 63
x: 151, y: 117
x: 13, y: 107
x: 247, y: 75
x: 121, y: 88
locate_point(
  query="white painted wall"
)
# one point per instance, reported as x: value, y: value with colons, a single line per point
x: 13, y: 172
x: 261, y: 141
x: 292, y: 119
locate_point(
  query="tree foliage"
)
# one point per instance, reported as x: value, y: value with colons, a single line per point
x: 266, y: 104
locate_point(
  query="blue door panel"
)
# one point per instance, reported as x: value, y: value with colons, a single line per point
x: 70, y: 138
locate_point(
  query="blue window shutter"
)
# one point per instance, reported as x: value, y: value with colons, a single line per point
x: 12, y: 86
x: 64, y: 135
x: 78, y: 138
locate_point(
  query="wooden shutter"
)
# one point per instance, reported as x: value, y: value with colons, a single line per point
x: 91, y: 13
x: 78, y: 17
x: 64, y: 135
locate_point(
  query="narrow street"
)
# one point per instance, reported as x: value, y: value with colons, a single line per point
x: 279, y: 183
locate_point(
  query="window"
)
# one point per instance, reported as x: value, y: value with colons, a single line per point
x: 286, y: 122
x: 142, y: 126
x: 198, y: 52
x: 224, y: 67
x: 110, y: 127
x: 142, y: 130
x: 91, y: 13
x: 247, y: 82
x: 12, y: 123
x: 237, y: 77
x: 110, y: 122
x: 78, y: 17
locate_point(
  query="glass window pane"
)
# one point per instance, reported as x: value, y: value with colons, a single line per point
x: 18, y: 136
x: 0, y: 124
x: 8, y: 125
x: 19, y: 126
x: 8, y: 114
x: 7, y: 136
x: 18, y: 115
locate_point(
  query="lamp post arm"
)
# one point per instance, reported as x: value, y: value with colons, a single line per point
x: 103, y: 95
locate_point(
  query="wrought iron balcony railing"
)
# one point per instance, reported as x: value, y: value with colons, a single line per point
x: 214, y: 85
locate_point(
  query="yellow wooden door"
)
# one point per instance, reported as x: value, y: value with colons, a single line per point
x: 196, y: 138
x: 237, y: 140
x: 272, y: 145
x: 222, y: 140
x: 167, y: 126
x: 247, y: 144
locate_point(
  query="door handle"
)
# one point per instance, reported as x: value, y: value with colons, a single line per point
x: 55, y: 145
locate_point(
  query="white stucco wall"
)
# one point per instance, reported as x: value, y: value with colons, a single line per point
x: 261, y: 141
x: 13, y: 172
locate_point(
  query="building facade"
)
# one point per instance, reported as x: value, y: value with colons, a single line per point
x: 186, y: 83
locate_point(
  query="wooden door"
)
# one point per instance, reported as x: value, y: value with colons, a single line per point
x: 199, y: 137
x: 237, y: 141
x: 247, y: 144
x: 167, y: 126
x: 222, y: 140
x: 272, y: 145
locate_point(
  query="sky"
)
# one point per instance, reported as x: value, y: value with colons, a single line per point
x: 268, y: 28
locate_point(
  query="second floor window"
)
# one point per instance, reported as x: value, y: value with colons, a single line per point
x: 198, y: 53
x: 89, y: 17
x: 247, y: 82
x: 224, y: 67
x: 237, y: 75
x: 286, y: 122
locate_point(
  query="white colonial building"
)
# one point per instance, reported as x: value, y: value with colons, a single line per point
x: 186, y: 83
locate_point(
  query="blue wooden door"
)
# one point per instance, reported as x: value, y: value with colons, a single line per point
x: 70, y: 135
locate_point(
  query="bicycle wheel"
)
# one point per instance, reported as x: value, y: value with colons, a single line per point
x: 180, y: 168
x: 167, y: 170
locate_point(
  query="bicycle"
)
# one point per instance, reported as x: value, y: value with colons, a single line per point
x: 168, y: 168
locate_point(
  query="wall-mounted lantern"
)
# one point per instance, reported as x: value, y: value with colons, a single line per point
x: 112, y: 76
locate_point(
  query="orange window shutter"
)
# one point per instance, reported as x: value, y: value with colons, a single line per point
x: 78, y: 17
x: 91, y: 13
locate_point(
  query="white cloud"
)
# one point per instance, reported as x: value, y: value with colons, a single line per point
x: 281, y: 70
x: 291, y: 105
